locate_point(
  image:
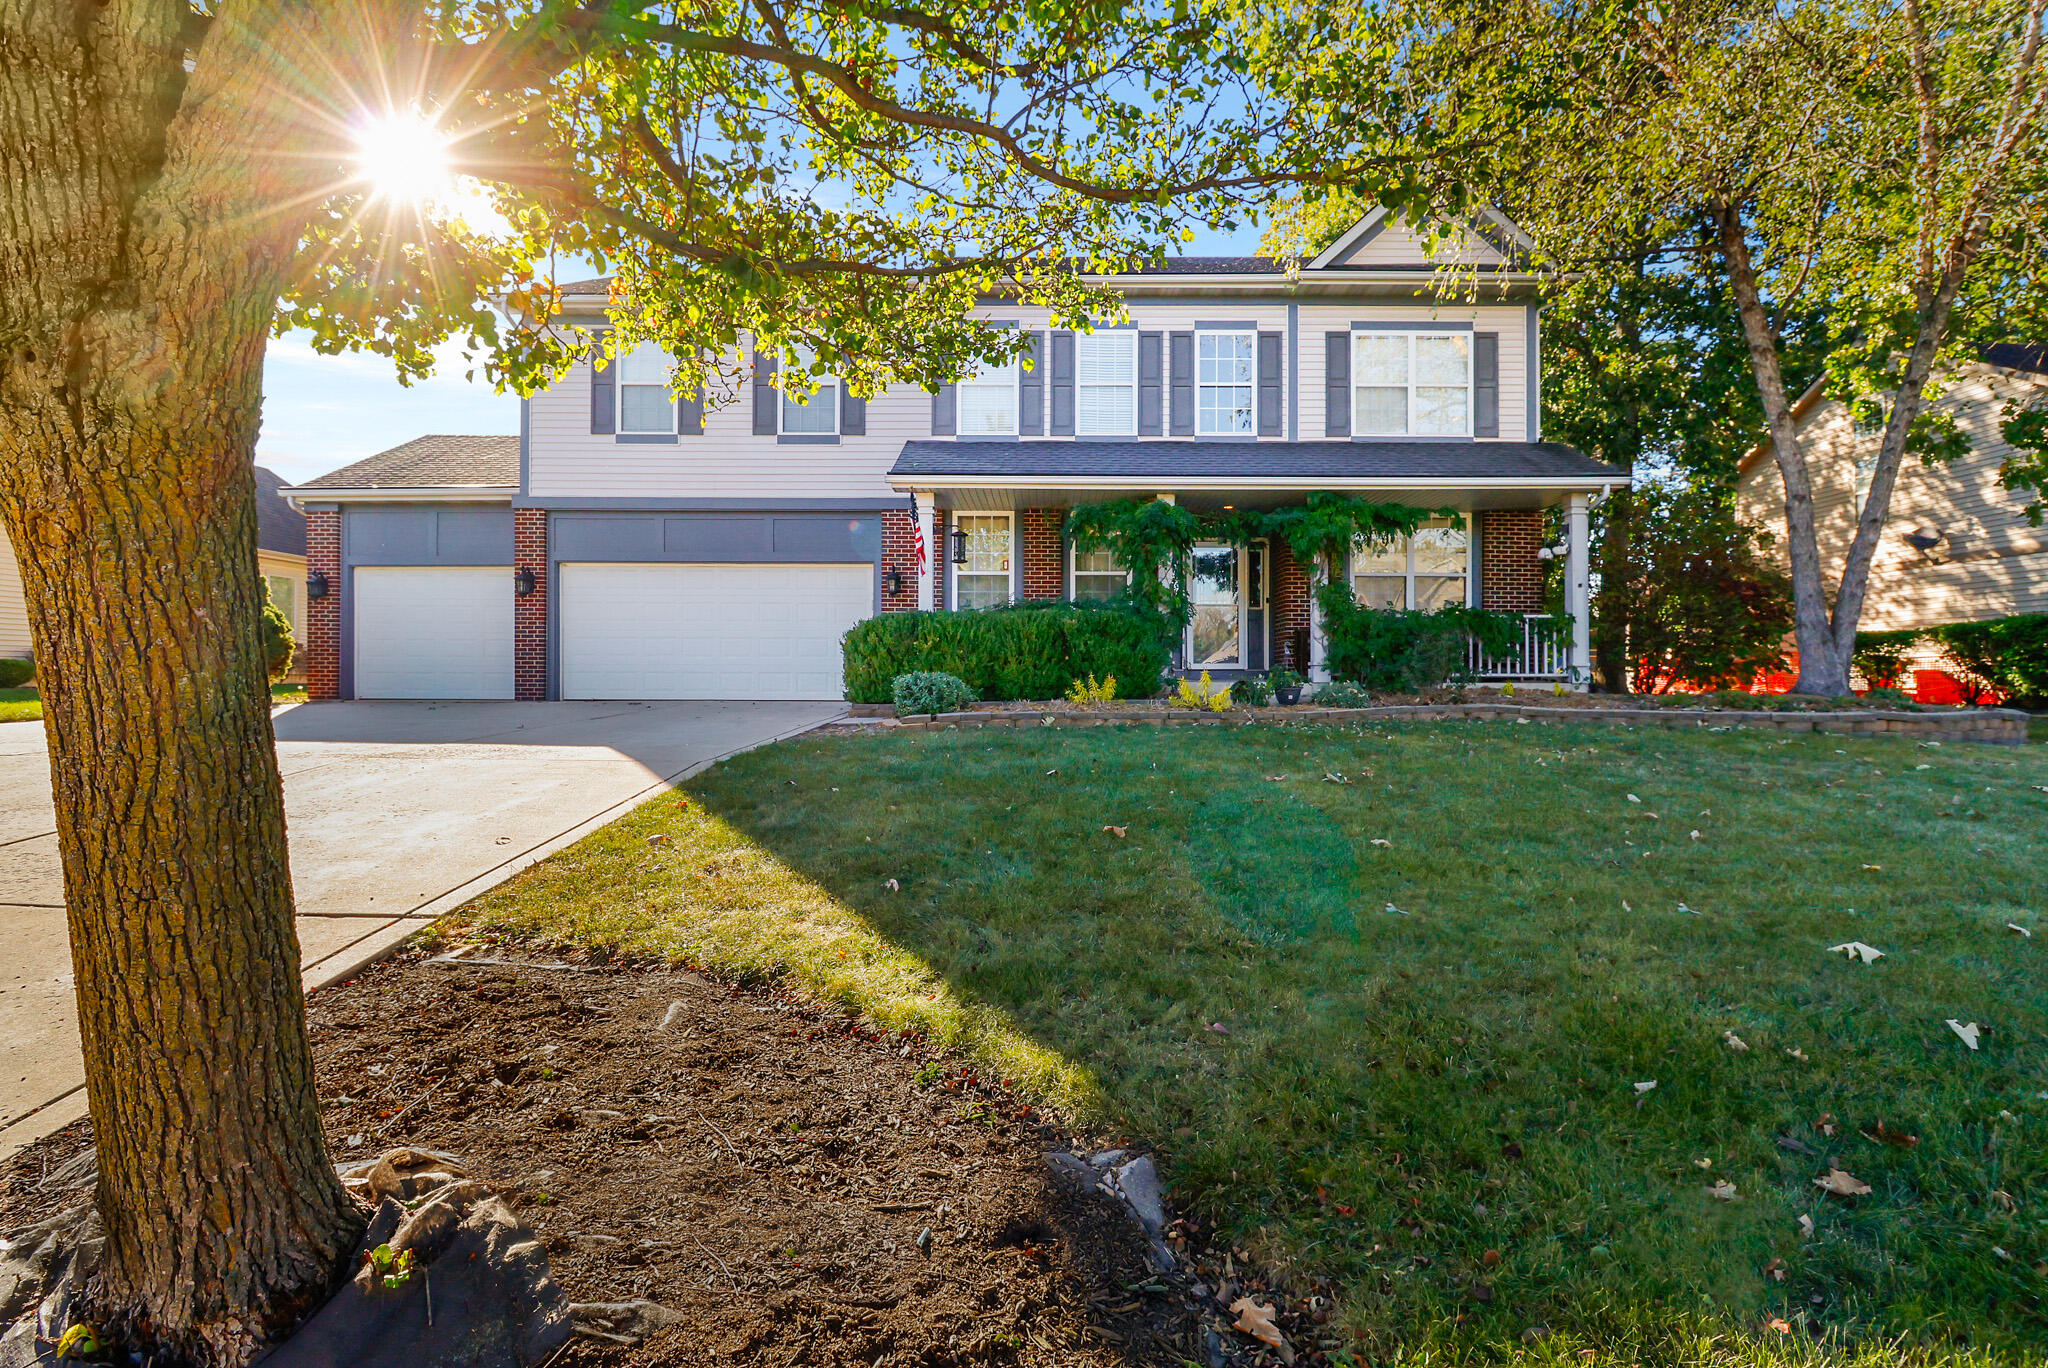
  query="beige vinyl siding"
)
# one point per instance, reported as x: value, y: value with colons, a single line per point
x: 1398, y: 244
x: 14, y: 637
x: 1990, y: 563
x: 1511, y: 322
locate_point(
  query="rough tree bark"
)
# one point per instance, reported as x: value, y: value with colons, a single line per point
x: 147, y: 235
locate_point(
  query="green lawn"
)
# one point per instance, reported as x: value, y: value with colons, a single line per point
x: 1390, y: 1030
x: 20, y: 705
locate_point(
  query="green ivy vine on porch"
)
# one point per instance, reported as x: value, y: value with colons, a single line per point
x: 1154, y: 539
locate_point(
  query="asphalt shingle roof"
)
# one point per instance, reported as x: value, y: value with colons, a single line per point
x: 279, y: 526
x: 436, y: 462
x: 1331, y: 460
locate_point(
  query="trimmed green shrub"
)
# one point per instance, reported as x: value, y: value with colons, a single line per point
x: 1024, y: 651
x: 2009, y: 654
x: 1339, y: 694
x: 277, y: 641
x: 1391, y: 650
x: 930, y: 691
x: 1880, y: 657
x: 15, y: 672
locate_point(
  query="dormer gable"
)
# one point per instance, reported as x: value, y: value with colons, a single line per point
x: 1386, y: 240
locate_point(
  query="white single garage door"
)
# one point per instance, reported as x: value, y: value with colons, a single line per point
x: 709, y: 631
x: 433, y: 631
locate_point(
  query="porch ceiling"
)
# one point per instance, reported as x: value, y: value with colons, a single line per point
x: 989, y: 474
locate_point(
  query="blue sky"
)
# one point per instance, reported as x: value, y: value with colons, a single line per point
x: 323, y: 412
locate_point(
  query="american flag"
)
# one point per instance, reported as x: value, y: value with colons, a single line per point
x: 917, y: 543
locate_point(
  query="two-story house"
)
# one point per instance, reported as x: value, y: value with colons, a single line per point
x: 626, y: 545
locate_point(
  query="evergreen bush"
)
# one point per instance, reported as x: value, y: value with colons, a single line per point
x: 1024, y: 651
x: 929, y: 691
x: 2008, y: 654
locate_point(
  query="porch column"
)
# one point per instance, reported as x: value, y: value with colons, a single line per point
x: 1577, y: 591
x: 927, y: 563
x: 1318, y: 638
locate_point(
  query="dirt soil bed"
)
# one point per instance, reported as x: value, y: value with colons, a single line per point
x: 1529, y: 696
x: 766, y: 1170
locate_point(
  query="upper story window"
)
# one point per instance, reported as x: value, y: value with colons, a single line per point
x: 1225, y: 363
x: 1106, y: 384
x: 811, y: 414
x: 1411, y: 384
x: 644, y: 402
x: 988, y: 402
x: 1427, y: 571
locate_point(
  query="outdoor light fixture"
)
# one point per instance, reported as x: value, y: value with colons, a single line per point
x: 522, y: 581
x: 1547, y: 553
x: 959, y: 535
x: 1923, y: 538
x: 893, y: 582
x: 316, y: 585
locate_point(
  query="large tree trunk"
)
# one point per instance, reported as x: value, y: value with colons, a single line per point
x: 147, y: 244
x: 1822, y: 669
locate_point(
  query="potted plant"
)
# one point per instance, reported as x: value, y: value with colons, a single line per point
x: 1286, y: 686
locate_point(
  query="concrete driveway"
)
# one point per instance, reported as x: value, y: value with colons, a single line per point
x: 398, y: 812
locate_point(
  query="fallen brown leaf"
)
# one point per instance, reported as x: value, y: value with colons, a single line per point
x: 1116, y: 831
x: 1723, y: 1191
x: 1890, y: 1135
x: 1842, y: 1184
x: 1257, y: 1321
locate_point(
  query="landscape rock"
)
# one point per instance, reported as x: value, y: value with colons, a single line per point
x: 42, y: 1270
x: 1072, y: 1173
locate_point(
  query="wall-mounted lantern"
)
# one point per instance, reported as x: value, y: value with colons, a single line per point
x: 893, y: 582
x: 1923, y: 539
x: 959, y: 538
x: 316, y: 585
x: 522, y: 581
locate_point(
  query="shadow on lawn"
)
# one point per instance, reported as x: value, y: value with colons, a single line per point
x: 1384, y: 1002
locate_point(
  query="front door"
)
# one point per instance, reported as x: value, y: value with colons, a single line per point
x: 1216, y: 590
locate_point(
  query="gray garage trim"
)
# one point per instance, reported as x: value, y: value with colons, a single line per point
x: 413, y: 534
x: 609, y: 505
x: 740, y: 537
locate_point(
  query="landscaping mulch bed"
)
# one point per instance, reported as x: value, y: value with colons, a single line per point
x: 800, y: 1188
x: 1526, y: 696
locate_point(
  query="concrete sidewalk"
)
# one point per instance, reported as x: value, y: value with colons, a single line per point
x: 398, y: 812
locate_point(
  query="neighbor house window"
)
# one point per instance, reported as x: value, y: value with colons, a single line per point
x: 988, y: 402
x: 1411, y: 384
x: 1097, y: 576
x: 984, y: 580
x: 1106, y: 384
x: 809, y: 414
x: 279, y: 587
x: 1427, y: 571
x: 644, y: 403
x: 1224, y: 366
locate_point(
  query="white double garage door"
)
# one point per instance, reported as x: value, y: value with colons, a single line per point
x: 622, y: 630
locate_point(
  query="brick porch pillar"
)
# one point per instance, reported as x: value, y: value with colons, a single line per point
x: 323, y: 615
x: 530, y: 611
x: 899, y: 556
x: 1044, y: 559
x: 1510, y: 574
x: 1291, y: 608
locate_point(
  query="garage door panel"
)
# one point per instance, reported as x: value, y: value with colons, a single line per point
x: 433, y: 632
x: 708, y: 631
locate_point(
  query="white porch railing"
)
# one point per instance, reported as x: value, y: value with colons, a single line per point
x: 1545, y: 652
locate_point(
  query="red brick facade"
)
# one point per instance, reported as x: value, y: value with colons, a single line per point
x: 1045, y: 568
x: 1291, y: 602
x: 899, y: 556
x: 530, y: 611
x: 1510, y: 574
x: 323, y: 615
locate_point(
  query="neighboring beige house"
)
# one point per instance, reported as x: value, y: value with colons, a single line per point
x: 1956, y: 546
x: 280, y: 556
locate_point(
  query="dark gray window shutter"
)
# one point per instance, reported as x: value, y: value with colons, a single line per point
x: 1180, y: 375
x: 1151, y: 384
x: 1031, y: 387
x: 1269, y: 384
x: 690, y: 409
x: 1062, y: 384
x: 604, y: 400
x: 767, y: 401
x: 1486, y: 384
x: 853, y: 413
x: 946, y: 412
x: 1337, y: 384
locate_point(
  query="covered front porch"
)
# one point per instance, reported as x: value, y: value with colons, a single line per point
x: 988, y: 524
